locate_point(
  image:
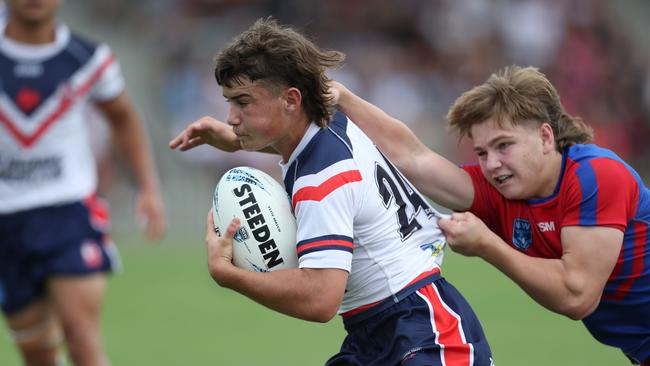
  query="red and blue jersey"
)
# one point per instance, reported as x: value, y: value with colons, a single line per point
x: 596, y: 188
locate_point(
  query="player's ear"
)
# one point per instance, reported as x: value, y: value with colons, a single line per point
x: 547, y: 136
x: 292, y: 99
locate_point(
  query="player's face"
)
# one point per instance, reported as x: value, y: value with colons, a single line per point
x: 515, y: 159
x: 33, y: 11
x: 258, y: 117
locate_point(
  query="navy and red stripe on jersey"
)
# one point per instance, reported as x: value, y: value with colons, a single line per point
x: 355, y: 212
x: 46, y: 157
x: 596, y: 188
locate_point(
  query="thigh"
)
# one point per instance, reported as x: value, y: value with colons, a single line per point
x: 77, y: 300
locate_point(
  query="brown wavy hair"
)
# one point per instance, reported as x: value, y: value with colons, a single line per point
x: 518, y: 94
x: 278, y: 57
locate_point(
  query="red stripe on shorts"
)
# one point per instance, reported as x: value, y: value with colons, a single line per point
x: 446, y: 323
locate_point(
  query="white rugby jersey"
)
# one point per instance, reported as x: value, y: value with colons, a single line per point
x: 356, y: 212
x: 45, y: 155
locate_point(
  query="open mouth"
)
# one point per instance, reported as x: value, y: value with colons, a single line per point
x: 502, y: 178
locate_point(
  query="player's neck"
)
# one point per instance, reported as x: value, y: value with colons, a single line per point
x: 552, y: 171
x: 31, y: 33
x: 294, y: 137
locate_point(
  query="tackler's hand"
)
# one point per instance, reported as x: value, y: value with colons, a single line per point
x: 466, y: 234
x: 206, y: 130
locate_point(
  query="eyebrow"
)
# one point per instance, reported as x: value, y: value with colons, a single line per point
x: 238, y: 95
x: 494, y: 141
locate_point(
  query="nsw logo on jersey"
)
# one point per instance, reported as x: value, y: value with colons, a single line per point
x: 522, y: 235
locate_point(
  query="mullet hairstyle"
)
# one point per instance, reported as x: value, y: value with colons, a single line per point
x: 279, y: 57
x: 518, y: 94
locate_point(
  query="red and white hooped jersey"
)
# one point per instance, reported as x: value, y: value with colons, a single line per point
x: 356, y: 212
x: 45, y: 153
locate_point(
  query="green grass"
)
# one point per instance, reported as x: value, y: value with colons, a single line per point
x: 165, y: 310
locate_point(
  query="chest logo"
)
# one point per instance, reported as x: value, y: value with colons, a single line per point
x: 546, y: 226
x: 28, y: 99
x: 522, y: 235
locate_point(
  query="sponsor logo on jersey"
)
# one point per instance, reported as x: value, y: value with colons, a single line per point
x: 436, y: 247
x: 30, y: 170
x: 546, y: 226
x: 522, y: 235
x: 28, y: 70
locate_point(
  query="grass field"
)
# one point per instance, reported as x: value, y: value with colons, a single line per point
x: 165, y: 310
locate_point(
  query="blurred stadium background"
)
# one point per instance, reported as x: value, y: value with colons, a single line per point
x: 412, y: 58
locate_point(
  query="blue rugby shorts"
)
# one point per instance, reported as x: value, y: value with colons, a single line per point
x: 63, y: 240
x: 432, y: 326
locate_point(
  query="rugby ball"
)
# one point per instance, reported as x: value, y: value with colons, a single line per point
x: 266, y: 239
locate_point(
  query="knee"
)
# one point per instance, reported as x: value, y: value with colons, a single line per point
x: 39, y: 344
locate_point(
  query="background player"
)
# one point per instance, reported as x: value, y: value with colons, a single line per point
x: 368, y: 244
x: 54, y: 245
x: 563, y: 218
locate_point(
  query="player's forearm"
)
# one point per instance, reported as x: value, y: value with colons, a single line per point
x: 292, y: 291
x: 129, y: 135
x: 432, y: 174
x: 392, y: 136
x: 133, y: 142
x: 547, y: 281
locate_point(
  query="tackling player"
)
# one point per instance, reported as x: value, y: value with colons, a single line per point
x: 54, y: 243
x: 567, y: 220
x: 369, y: 247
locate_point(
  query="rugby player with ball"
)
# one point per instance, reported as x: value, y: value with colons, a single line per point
x: 368, y: 244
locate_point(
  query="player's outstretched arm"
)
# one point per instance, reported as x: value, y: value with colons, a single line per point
x: 206, y: 130
x: 571, y: 285
x: 131, y: 138
x: 435, y: 176
x: 309, y: 294
x: 210, y: 131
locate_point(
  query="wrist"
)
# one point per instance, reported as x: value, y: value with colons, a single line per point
x: 343, y: 95
x: 150, y: 188
x: 490, y: 245
x: 222, y: 271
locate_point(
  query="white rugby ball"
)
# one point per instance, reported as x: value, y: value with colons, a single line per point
x: 266, y: 239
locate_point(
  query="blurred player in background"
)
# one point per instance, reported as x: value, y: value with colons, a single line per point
x: 54, y: 244
x: 368, y: 245
x: 567, y: 220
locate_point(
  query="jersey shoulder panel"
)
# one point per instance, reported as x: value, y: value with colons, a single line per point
x: 328, y: 147
x: 598, y: 188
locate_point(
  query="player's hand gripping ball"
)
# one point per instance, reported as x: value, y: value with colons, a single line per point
x: 266, y: 239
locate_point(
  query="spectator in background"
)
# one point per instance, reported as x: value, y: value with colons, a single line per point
x: 418, y: 44
x: 55, y: 248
